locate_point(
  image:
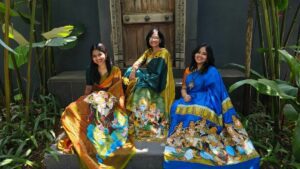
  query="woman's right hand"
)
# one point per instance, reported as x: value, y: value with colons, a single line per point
x: 187, y: 98
x: 132, y: 74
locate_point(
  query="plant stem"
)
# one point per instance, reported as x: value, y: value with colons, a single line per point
x: 19, y: 79
x: 269, y: 38
x: 248, y: 50
x: 31, y: 37
x: 276, y: 38
x: 6, y: 70
x: 261, y: 41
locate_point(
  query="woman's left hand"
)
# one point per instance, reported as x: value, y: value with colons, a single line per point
x: 132, y: 75
x: 187, y: 98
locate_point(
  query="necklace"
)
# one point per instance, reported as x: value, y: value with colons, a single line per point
x: 192, y: 82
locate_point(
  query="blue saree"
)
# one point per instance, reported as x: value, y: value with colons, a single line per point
x: 205, y: 132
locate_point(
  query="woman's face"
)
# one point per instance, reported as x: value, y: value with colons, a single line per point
x: 154, y: 39
x: 98, y: 57
x: 201, y: 56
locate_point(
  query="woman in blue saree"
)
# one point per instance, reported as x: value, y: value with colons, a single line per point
x: 204, y: 129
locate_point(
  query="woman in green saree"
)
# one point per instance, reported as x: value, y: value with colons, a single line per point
x: 151, y: 91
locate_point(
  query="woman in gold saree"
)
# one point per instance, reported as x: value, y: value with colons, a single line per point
x: 96, y: 124
x: 151, y: 91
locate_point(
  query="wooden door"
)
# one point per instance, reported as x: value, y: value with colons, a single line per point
x: 138, y: 18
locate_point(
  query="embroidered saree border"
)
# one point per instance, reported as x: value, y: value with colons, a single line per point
x: 200, y: 111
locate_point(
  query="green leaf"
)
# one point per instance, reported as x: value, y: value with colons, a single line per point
x: 18, y: 97
x: 293, y: 64
x: 11, y: 11
x: 296, y: 141
x: 7, y: 47
x: 36, y: 123
x: 15, y: 35
x: 69, y: 45
x: 39, y: 44
x: 21, y: 57
x: 20, y: 148
x: 55, y: 42
x: 263, y: 86
x: 6, y: 161
x: 282, y: 4
x: 59, y: 32
x: 274, y: 89
x: 287, y: 88
x: 28, y: 152
x: 262, y: 50
x: 32, y: 138
x: 290, y: 112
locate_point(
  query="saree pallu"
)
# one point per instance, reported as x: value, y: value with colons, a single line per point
x: 205, y: 132
x: 99, y: 142
x: 150, y: 95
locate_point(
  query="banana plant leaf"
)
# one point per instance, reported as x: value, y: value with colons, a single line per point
x: 293, y: 64
x: 14, y: 34
x: 21, y: 57
x: 55, y: 42
x: 290, y: 112
x: 7, y: 47
x: 69, y: 45
x: 59, y: 32
x: 265, y: 86
x: 287, y: 87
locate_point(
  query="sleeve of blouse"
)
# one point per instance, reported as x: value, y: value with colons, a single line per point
x: 186, y: 72
x: 141, y: 60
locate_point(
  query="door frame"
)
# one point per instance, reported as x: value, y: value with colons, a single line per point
x: 117, y: 38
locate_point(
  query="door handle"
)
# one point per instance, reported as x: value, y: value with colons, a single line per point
x: 147, y: 18
x: 127, y: 18
x: 167, y: 17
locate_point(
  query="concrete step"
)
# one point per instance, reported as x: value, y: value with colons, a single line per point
x: 149, y: 155
x: 68, y: 86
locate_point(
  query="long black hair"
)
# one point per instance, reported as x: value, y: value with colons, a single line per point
x: 210, y: 61
x: 160, y: 35
x: 94, y: 67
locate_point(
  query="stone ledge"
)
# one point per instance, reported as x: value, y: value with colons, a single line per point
x: 149, y: 155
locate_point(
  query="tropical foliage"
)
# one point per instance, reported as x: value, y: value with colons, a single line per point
x: 23, y: 143
x: 280, y: 95
x: 30, y: 115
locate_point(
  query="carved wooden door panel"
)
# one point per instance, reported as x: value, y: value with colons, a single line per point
x: 138, y: 18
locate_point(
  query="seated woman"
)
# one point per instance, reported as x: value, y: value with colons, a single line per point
x: 151, y: 91
x: 204, y: 129
x: 96, y: 124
